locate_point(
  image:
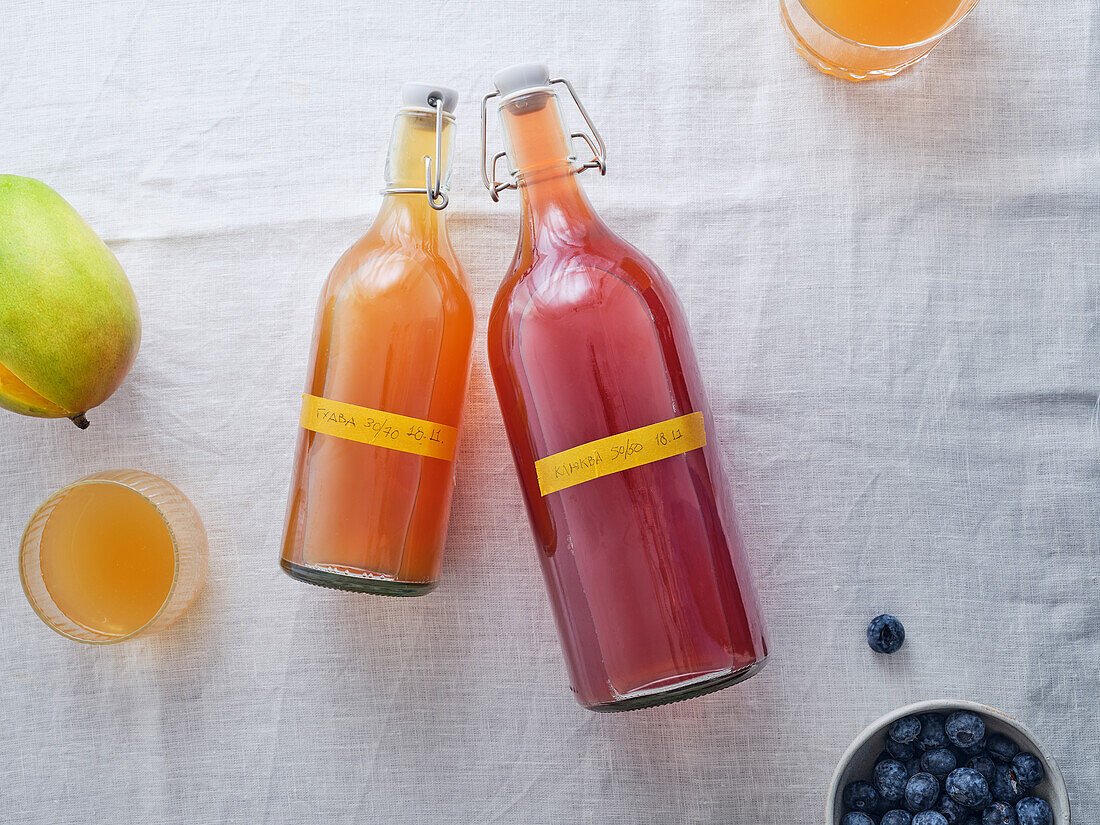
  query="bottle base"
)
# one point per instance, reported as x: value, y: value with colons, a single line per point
x: 679, y: 692
x: 355, y: 584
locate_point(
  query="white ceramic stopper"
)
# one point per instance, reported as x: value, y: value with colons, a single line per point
x: 520, y: 77
x: 418, y: 95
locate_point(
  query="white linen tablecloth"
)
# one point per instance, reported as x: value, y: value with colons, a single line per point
x: 894, y: 290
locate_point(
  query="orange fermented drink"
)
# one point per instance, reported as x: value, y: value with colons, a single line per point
x: 608, y: 421
x: 861, y: 39
x: 112, y: 556
x: 884, y: 22
x: 374, y: 473
x: 107, y: 558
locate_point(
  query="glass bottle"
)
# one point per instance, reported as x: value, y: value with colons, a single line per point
x: 587, y: 341
x: 371, y: 493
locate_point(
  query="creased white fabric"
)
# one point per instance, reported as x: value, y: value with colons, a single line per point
x: 894, y: 292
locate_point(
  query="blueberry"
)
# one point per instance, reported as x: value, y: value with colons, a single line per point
x: 939, y: 762
x: 1001, y: 748
x: 860, y: 796
x: 896, y: 817
x: 885, y: 634
x: 882, y: 757
x: 976, y: 749
x: 921, y: 792
x: 1033, y: 811
x: 889, y: 779
x: 929, y: 818
x: 905, y: 730
x: 952, y: 811
x: 1003, y: 785
x: 964, y: 728
x: 983, y: 765
x: 999, y: 813
x: 1028, y: 769
x: 902, y: 752
x: 967, y: 787
x: 913, y: 766
x: 856, y: 818
x: 932, y: 734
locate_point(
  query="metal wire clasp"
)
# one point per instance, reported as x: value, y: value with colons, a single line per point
x: 489, y: 165
x: 433, y: 167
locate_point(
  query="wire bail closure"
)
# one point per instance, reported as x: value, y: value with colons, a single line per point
x: 433, y: 167
x: 489, y: 165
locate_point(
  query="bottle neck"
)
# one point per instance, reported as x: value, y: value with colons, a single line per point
x: 408, y: 220
x: 555, y: 208
x: 407, y: 217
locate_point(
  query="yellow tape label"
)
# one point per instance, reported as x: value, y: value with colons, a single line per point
x: 621, y: 452
x: 380, y: 429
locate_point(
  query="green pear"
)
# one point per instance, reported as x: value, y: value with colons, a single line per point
x: 69, y: 324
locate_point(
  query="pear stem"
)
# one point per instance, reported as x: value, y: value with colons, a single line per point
x: 80, y: 420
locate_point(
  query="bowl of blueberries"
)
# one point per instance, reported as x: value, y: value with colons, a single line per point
x: 947, y: 763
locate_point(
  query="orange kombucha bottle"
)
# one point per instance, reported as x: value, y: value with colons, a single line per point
x: 374, y: 471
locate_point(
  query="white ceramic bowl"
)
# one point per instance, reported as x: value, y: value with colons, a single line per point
x: 859, y: 760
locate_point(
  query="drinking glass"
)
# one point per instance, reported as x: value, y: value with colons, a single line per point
x: 841, y: 56
x: 93, y: 546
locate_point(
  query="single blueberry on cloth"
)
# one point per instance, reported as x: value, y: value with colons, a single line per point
x: 921, y: 792
x: 885, y: 634
x: 1033, y: 811
x: 967, y: 787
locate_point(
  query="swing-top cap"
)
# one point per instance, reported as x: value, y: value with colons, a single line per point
x: 521, y: 78
x: 517, y: 87
x: 421, y: 96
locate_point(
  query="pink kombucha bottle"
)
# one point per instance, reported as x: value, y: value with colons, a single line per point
x: 612, y: 436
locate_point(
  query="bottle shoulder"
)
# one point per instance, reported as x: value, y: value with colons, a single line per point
x: 578, y: 274
x: 378, y: 266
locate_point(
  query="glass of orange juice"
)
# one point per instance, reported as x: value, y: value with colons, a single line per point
x: 113, y: 556
x: 865, y: 39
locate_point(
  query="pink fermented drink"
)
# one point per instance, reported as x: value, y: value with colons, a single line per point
x: 645, y: 566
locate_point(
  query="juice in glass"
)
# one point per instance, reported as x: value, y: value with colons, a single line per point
x: 113, y: 555
x: 107, y: 558
x: 862, y: 39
